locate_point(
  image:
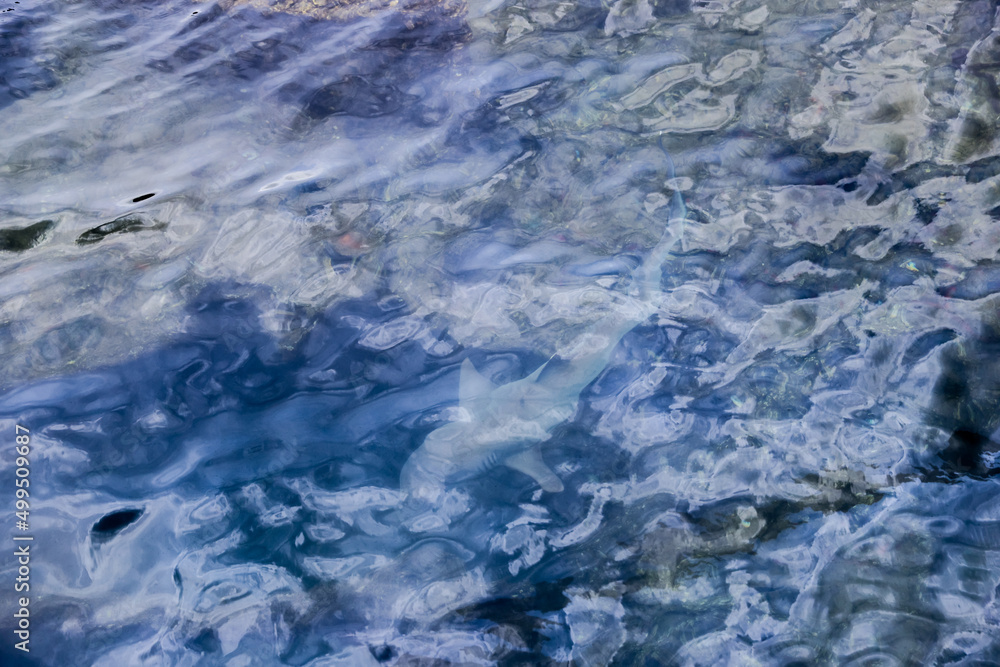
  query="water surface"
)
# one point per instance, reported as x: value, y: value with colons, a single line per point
x: 245, y: 249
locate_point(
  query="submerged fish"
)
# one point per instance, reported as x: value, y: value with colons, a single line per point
x: 506, y: 425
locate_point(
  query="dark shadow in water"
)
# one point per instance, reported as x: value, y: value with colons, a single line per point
x: 756, y: 267
x: 806, y: 163
x: 978, y: 282
x: 110, y: 525
x: 133, y: 222
x: 369, y: 82
x: 966, y: 403
x: 523, y: 616
x: 19, y: 239
x: 21, y: 74
x: 666, y: 8
x: 911, y: 177
x: 355, y: 96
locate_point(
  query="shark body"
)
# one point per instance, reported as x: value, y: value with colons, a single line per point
x: 505, y: 425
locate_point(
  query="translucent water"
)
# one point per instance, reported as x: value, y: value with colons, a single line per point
x: 506, y: 333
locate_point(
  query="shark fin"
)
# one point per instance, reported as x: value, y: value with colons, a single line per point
x: 531, y: 464
x: 537, y: 372
x: 472, y: 384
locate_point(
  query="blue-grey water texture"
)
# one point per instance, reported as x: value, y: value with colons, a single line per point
x: 248, y: 250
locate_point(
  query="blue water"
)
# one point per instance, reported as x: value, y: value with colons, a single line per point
x: 249, y: 253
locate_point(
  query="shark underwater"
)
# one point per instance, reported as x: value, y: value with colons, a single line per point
x: 506, y: 424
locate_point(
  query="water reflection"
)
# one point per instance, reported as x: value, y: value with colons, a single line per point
x: 250, y: 251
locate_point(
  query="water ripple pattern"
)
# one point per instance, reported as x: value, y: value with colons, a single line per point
x: 514, y: 332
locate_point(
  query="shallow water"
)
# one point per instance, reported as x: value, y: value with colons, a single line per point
x: 245, y: 253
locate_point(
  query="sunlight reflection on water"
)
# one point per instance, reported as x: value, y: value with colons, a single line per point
x: 246, y: 249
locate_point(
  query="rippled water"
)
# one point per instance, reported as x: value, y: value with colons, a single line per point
x: 286, y: 284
